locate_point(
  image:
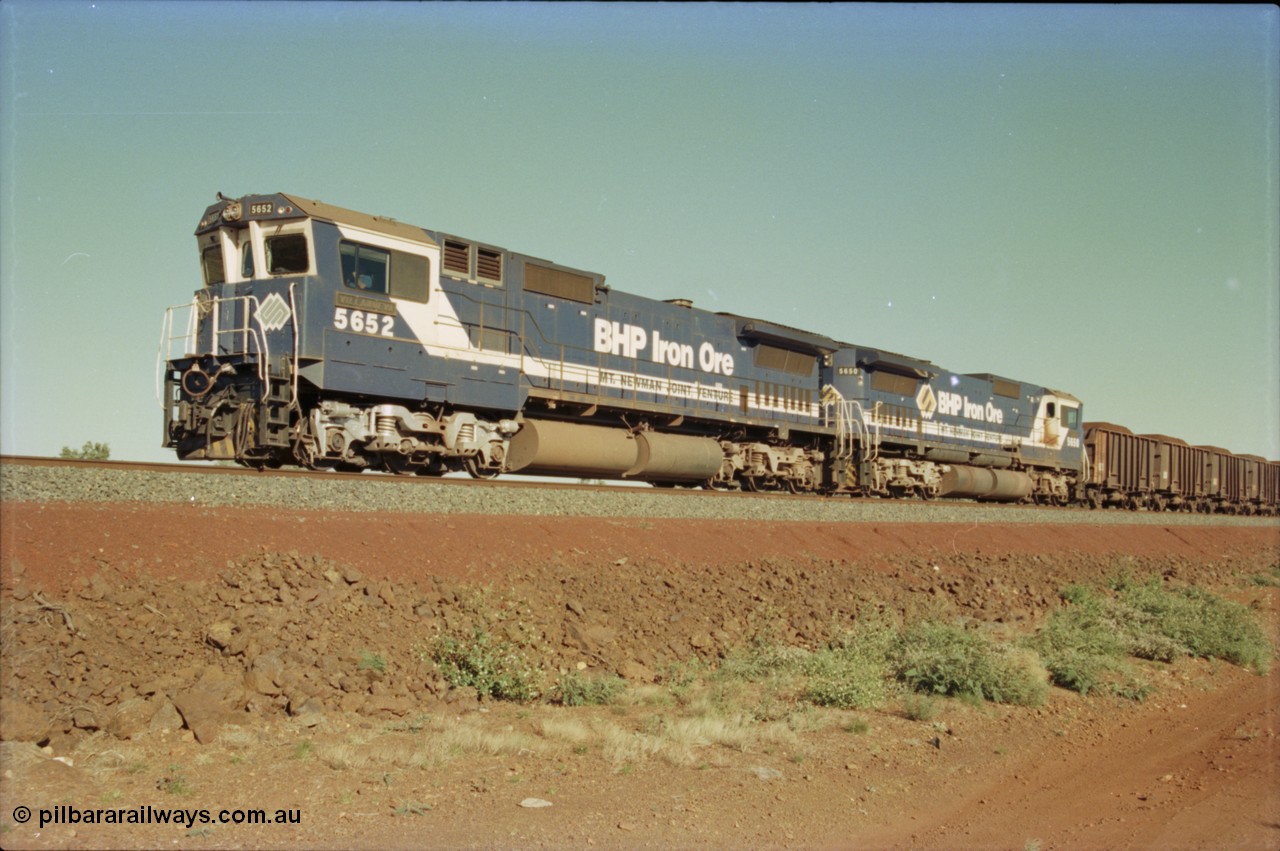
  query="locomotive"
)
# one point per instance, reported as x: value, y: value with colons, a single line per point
x: 331, y: 339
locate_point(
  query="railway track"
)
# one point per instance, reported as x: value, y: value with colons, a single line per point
x: 42, y: 479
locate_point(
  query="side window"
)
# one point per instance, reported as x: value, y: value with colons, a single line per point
x: 364, y: 267
x: 287, y: 254
x: 211, y: 264
x: 1070, y: 417
x: 246, y: 260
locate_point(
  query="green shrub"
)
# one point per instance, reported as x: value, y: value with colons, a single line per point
x: 494, y: 669
x: 853, y: 672
x: 1083, y: 644
x: 939, y: 658
x: 1200, y: 623
x: 845, y: 683
x: 577, y: 690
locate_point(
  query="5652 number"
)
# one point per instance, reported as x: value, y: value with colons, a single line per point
x: 363, y: 322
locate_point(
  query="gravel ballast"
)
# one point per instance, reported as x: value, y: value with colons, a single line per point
x: 387, y: 494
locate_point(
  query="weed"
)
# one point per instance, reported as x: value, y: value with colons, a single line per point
x: 411, y: 809
x: 303, y: 750
x: 1204, y: 624
x: 939, y: 658
x: 920, y: 707
x: 761, y: 658
x: 411, y: 725
x: 370, y: 661
x: 576, y: 690
x: 493, y: 668
x: 1084, y: 643
x: 174, y: 782
x: 1270, y: 580
x: 681, y: 676
x: 854, y: 670
x: 857, y: 726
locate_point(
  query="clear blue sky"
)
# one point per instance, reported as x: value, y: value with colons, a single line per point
x: 1085, y: 197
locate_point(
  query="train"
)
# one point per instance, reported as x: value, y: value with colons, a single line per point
x: 326, y: 338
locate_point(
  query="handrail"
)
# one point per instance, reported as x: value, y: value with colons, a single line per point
x: 246, y: 337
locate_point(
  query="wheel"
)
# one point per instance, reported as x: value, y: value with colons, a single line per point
x: 475, y: 471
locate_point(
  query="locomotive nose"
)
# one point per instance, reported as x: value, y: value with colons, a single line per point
x: 196, y: 382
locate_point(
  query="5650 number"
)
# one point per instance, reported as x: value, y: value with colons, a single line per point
x: 363, y: 322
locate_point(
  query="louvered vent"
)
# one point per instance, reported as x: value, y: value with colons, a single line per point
x: 457, y: 257
x: 488, y: 264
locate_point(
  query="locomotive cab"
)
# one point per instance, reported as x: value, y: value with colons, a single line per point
x: 230, y: 353
x: 314, y: 340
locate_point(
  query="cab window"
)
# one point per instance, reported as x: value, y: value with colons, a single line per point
x: 1070, y: 417
x: 211, y: 263
x: 287, y: 254
x: 246, y: 260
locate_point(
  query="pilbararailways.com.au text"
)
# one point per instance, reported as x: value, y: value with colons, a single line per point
x: 147, y: 814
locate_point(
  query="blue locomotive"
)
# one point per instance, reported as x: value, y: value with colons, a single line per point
x: 327, y: 338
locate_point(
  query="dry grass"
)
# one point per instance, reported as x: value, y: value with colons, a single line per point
x: 442, y: 742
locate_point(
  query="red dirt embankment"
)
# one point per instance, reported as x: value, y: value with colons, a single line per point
x: 253, y: 622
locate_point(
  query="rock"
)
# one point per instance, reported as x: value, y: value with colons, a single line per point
x: 766, y: 773
x: 20, y: 722
x: 266, y: 674
x: 84, y: 718
x: 535, y: 803
x: 130, y: 717
x: 601, y: 636
x: 219, y: 634
x: 399, y: 706
x: 463, y: 698
x: 166, y: 719
x: 634, y: 672
x: 304, y: 706
x: 203, y: 712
